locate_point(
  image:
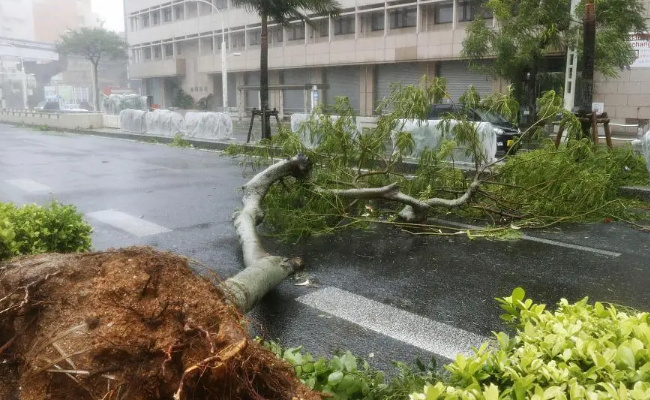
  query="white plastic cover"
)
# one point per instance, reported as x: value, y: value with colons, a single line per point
x: 116, y: 103
x: 297, y: 121
x: 208, y: 125
x: 133, y: 121
x: 430, y: 134
x: 645, y: 148
x: 163, y: 122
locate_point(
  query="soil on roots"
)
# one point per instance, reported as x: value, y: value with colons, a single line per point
x: 127, y: 324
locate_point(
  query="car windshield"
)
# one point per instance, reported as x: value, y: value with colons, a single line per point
x: 492, y: 117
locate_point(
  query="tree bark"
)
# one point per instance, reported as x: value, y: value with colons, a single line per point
x: 262, y: 271
x: 264, y: 78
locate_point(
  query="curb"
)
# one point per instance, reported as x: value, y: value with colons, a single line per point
x: 636, y: 192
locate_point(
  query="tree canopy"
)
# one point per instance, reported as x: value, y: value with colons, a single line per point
x: 527, y: 31
x: 95, y: 45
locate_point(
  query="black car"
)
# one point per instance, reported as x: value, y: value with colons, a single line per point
x: 507, y: 134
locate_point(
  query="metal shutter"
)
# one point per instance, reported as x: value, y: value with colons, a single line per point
x: 343, y: 82
x: 459, y: 77
x: 252, y: 96
x: 387, y: 74
x: 294, y: 100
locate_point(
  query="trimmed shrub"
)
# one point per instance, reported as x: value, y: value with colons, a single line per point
x: 33, y: 229
x: 580, y: 351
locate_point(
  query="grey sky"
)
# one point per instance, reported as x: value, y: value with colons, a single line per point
x: 111, y: 11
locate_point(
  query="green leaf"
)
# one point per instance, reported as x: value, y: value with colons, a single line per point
x: 625, y: 356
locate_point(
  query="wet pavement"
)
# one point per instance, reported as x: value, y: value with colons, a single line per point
x: 449, y: 280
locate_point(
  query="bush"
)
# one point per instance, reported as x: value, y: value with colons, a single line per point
x: 580, y: 351
x: 33, y: 229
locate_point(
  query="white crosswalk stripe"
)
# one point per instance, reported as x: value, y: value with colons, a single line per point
x: 29, y: 185
x: 128, y: 223
x: 435, y: 337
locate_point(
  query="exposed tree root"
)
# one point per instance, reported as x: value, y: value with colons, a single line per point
x: 129, y: 324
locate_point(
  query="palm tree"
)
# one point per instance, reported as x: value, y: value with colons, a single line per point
x: 282, y: 12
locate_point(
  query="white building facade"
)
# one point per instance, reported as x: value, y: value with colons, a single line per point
x: 177, y: 44
x: 16, y: 19
x: 372, y: 44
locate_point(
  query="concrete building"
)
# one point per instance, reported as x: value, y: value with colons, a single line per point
x: 53, y: 17
x: 177, y: 44
x: 16, y: 19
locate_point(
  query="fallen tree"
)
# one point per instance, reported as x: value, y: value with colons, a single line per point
x: 128, y: 324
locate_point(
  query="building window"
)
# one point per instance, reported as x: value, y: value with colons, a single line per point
x: 167, y: 14
x: 157, y: 52
x: 254, y: 37
x: 178, y: 12
x: 276, y: 34
x: 470, y: 10
x: 443, y: 13
x: 238, y: 41
x: 403, y: 17
x: 179, y: 48
x: 134, y: 24
x: 221, y: 4
x: 169, y: 50
x: 155, y: 18
x: 147, y: 53
x: 344, y: 25
x: 377, y: 21
x: 145, y: 20
x: 296, y: 32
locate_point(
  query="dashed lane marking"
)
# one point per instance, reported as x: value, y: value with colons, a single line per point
x: 539, y: 240
x: 29, y: 185
x: 128, y: 223
x: 438, y: 338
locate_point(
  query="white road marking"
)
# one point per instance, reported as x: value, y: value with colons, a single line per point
x: 435, y: 337
x: 128, y: 223
x: 29, y: 185
x: 538, y: 240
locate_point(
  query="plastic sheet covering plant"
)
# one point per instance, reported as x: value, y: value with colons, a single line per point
x: 133, y: 121
x: 164, y: 122
x: 207, y: 125
x: 116, y: 103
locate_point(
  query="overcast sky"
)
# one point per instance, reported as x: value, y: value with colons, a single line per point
x: 112, y: 12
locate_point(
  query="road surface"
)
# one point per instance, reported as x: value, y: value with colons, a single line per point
x: 382, y: 294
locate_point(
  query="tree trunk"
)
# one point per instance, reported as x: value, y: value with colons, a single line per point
x: 262, y: 271
x: 264, y: 78
x: 96, y: 85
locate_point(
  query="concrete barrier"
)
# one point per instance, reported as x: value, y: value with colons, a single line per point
x: 111, y: 121
x: 133, y: 121
x: 54, y: 120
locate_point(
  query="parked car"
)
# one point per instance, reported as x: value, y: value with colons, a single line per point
x: 48, y: 105
x: 507, y: 134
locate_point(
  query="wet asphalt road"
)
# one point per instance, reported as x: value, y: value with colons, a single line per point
x: 193, y: 193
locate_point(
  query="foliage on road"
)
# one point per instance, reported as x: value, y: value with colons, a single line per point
x: 579, y: 351
x: 33, y: 229
x: 576, y: 182
x: 178, y: 141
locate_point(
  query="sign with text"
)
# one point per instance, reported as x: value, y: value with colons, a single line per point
x: 641, y: 45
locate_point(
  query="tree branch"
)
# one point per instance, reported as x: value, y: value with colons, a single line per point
x: 262, y: 271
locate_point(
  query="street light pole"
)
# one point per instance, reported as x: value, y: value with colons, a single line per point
x: 224, y: 63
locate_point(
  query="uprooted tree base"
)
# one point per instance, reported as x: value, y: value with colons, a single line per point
x: 127, y: 324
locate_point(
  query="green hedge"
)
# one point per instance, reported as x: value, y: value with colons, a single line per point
x: 580, y: 351
x: 33, y: 229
